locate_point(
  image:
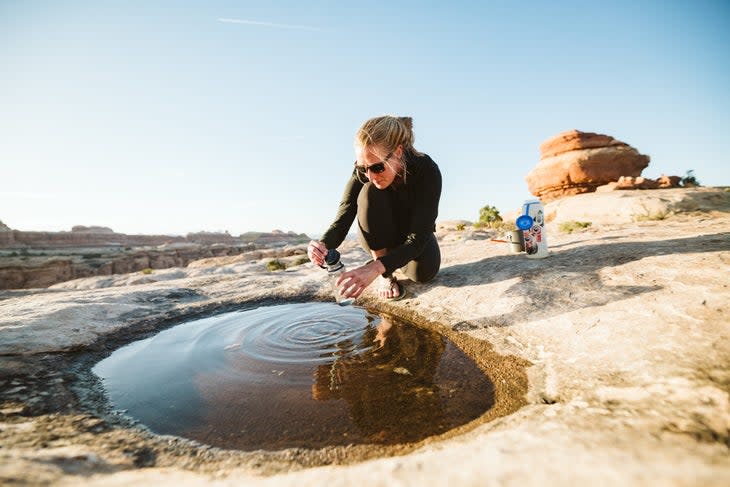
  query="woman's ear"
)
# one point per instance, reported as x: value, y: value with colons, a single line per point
x: 399, y: 151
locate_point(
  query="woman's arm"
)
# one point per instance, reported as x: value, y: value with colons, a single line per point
x: 346, y: 214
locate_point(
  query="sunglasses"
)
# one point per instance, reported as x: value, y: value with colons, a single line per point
x: 376, y: 168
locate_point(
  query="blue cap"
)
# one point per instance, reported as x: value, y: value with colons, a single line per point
x: 332, y: 257
x: 524, y: 222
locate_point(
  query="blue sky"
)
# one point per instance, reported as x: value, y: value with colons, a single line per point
x: 173, y: 117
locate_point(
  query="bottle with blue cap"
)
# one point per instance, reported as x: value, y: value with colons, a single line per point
x: 532, y: 224
x: 335, y: 268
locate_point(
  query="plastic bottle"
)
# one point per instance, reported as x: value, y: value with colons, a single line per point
x: 532, y: 224
x: 334, y: 269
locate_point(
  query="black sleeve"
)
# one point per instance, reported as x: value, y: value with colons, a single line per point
x: 346, y: 214
x: 427, y: 192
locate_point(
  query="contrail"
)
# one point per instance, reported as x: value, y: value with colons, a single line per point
x: 269, y: 24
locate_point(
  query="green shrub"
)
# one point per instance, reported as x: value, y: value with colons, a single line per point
x: 656, y: 216
x: 572, y: 226
x: 275, y: 265
x: 300, y: 260
x: 489, y: 215
x: 689, y: 180
x: 460, y: 226
x: 147, y: 270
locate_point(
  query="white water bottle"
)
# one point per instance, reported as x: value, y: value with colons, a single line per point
x: 532, y: 224
x: 335, y: 268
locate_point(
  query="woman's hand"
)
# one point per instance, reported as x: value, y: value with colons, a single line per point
x: 316, y: 251
x: 353, y: 283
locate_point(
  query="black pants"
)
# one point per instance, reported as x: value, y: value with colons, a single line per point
x: 383, y: 223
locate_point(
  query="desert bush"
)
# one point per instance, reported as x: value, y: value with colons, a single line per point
x: 275, y: 265
x: 302, y: 259
x: 573, y: 226
x: 147, y: 271
x: 651, y: 216
x: 489, y: 215
x: 689, y: 180
x: 460, y: 226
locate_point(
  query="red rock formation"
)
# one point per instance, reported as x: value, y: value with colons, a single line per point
x: 629, y: 182
x: 87, y: 237
x: 577, y: 162
x: 575, y: 140
x: 40, y: 259
x: 21, y: 272
x: 669, y: 181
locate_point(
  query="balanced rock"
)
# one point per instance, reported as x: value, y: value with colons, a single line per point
x: 577, y: 162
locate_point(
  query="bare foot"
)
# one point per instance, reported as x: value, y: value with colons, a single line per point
x: 389, y: 288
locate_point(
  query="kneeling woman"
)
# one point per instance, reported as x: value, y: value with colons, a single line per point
x: 394, y: 192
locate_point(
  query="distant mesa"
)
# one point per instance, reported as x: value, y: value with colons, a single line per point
x: 576, y: 162
x: 92, y: 229
x: 100, y: 236
x: 40, y: 259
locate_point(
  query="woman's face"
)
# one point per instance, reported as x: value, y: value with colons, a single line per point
x: 371, y: 157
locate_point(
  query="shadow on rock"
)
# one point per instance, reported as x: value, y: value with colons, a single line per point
x: 568, y: 279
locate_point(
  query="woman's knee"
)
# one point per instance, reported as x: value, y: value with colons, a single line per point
x: 427, y: 265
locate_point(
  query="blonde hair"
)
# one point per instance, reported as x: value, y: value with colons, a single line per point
x: 387, y: 132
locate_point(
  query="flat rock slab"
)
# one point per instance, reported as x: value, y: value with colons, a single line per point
x: 624, y: 326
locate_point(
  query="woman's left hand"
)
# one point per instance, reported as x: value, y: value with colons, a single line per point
x: 353, y: 283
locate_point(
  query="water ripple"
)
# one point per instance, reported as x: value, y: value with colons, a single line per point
x: 297, y: 375
x: 291, y: 334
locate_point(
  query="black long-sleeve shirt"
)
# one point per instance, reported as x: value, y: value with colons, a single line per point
x: 418, y: 200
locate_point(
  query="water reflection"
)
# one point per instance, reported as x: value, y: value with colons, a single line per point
x: 390, y: 388
x: 304, y: 375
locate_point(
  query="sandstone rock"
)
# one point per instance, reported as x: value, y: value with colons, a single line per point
x: 623, y: 207
x: 577, y: 162
x: 42, y: 271
x: 669, y: 181
x: 629, y: 182
x: 574, y: 140
x: 25, y: 277
x: 98, y: 251
x: 625, y: 330
x: 4, y: 227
